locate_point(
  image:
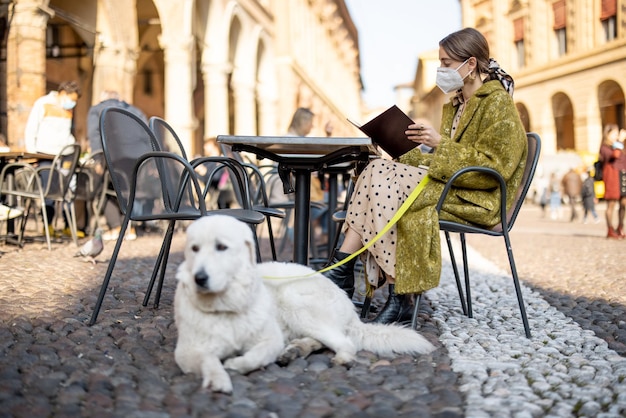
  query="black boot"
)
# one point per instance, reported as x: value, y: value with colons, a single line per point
x: 342, y: 276
x: 397, y: 308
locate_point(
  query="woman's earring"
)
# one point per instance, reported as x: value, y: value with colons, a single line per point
x: 472, y: 75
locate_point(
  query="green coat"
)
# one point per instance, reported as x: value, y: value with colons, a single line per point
x: 490, y: 134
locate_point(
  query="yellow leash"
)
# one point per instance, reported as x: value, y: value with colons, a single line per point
x: 405, y: 206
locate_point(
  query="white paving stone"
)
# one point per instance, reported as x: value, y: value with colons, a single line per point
x: 562, y: 370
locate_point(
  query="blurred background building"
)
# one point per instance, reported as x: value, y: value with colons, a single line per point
x: 568, y: 58
x: 208, y: 67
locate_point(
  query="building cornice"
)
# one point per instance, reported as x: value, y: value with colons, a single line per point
x: 572, y: 63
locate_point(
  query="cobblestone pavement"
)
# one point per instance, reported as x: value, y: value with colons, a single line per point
x: 53, y: 364
x: 572, y: 265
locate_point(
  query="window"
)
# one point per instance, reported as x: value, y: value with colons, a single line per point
x: 148, y: 88
x: 608, y: 17
x: 561, y: 41
x: 521, y: 56
x: 558, y: 7
x: 518, y: 38
x: 609, y: 27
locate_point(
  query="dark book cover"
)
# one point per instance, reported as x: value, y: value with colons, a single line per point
x: 387, y: 131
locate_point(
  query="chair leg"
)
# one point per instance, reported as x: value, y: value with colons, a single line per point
x: 518, y: 290
x: 167, y: 245
x: 468, y: 293
x: 46, y: 222
x: 418, y: 299
x: 270, y: 234
x: 109, y: 272
x: 158, y: 265
x: 256, y: 241
x: 365, y: 309
x: 456, y: 273
x: 70, y: 214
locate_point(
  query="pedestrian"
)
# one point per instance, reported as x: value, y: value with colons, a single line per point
x: 480, y: 126
x: 300, y: 126
x: 49, y: 129
x: 572, y: 186
x: 112, y: 211
x: 589, y: 198
x: 611, y: 156
x: 555, y: 197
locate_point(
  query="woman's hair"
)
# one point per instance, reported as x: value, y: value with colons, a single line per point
x: 466, y: 43
x: 301, y: 118
x: 70, y: 87
x: 608, y: 128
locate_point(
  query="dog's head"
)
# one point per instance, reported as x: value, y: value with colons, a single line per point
x: 220, y: 260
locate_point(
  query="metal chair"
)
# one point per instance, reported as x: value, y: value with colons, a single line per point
x: 90, y: 181
x: 249, y: 188
x: 29, y: 186
x: 502, y: 229
x: 150, y: 185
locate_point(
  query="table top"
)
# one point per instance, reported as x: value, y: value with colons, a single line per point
x: 14, y: 155
x: 290, y: 145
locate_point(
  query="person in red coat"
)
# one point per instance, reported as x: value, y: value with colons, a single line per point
x: 612, y: 158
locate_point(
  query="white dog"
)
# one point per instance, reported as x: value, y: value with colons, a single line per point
x: 229, y: 308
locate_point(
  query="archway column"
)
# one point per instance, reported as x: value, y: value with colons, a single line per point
x: 245, y: 108
x: 216, y: 98
x: 178, y: 53
x: 266, y: 107
x: 26, y: 65
x: 115, y: 69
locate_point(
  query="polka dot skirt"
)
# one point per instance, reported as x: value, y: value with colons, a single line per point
x: 379, y: 192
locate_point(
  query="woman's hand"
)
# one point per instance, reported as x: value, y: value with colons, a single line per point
x: 422, y: 132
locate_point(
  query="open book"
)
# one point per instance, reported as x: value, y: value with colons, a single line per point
x: 387, y: 131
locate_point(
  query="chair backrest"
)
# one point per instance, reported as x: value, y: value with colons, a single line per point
x: 534, y: 149
x: 161, y: 178
x: 90, y: 177
x: 166, y: 136
x: 238, y: 177
x: 126, y: 138
x: 62, y: 171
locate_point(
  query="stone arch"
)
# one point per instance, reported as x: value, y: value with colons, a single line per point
x: 266, y: 86
x: 234, y: 41
x: 524, y: 116
x: 149, y: 83
x: 563, y: 114
x: 611, y: 103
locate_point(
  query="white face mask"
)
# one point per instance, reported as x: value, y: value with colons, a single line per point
x: 449, y: 79
x: 68, y: 104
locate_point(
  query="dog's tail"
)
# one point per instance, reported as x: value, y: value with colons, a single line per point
x: 387, y: 340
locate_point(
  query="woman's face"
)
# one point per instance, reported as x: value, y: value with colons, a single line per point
x: 445, y: 61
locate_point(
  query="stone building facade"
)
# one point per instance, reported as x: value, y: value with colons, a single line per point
x: 568, y: 58
x: 208, y: 67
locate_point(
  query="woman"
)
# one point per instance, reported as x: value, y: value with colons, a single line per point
x: 480, y: 127
x: 611, y: 151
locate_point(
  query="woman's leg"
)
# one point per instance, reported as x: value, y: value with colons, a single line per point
x: 610, y: 206
x: 351, y: 242
x: 621, y: 211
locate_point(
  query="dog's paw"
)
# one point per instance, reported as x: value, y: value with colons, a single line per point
x: 344, y: 359
x: 289, y: 354
x: 301, y: 347
x: 218, y: 384
x: 217, y: 380
x: 239, y: 364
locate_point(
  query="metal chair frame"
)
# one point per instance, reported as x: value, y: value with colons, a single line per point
x: 500, y: 230
x: 58, y: 188
x: 115, y: 125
